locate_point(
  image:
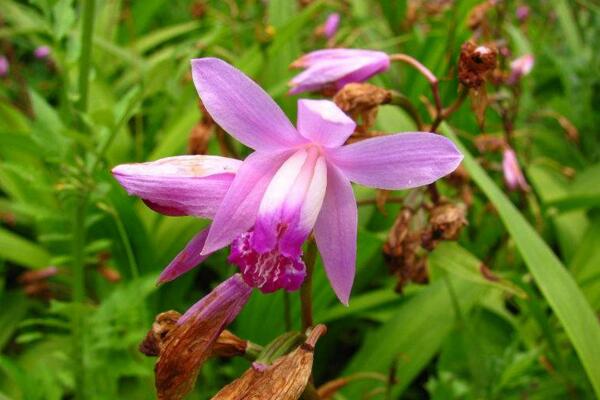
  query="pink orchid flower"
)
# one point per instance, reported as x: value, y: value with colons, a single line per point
x: 520, y: 67
x: 513, y: 176
x: 41, y: 52
x: 296, y: 181
x: 331, y: 25
x: 4, y: 66
x: 336, y: 67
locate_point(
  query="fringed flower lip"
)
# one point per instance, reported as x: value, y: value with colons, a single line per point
x: 296, y: 181
x: 336, y: 67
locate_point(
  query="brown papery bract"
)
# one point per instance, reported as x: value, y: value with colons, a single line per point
x: 285, y: 379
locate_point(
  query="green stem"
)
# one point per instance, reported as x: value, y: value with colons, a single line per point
x: 78, y: 271
x: 133, y: 267
x: 85, y: 61
x: 78, y: 287
x: 306, y: 289
x: 287, y: 315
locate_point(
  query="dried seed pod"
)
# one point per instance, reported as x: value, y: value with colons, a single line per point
x: 361, y: 101
x: 285, y: 379
x: 191, y: 341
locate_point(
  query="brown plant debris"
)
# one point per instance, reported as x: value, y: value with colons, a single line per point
x: 285, y: 379
x: 475, y: 64
x: 361, y: 101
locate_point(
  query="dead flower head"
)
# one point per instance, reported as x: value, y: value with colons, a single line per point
x: 403, y: 254
x: 190, y: 340
x: 445, y: 223
x: 362, y: 100
x: 285, y: 379
x: 475, y: 65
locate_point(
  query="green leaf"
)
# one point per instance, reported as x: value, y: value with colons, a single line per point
x: 472, y: 271
x: 21, y: 251
x: 556, y: 284
x: 417, y: 328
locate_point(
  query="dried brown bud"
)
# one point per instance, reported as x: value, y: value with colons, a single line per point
x: 109, y: 273
x: 475, y: 64
x: 446, y: 221
x: 362, y: 100
x: 37, y: 275
x: 285, y: 379
x: 489, y: 143
x: 199, y: 138
x: 198, y: 9
x: 477, y: 18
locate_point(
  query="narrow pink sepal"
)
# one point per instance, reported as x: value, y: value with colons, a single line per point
x: 187, y: 258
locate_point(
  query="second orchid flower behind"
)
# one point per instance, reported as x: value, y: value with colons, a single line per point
x: 296, y: 181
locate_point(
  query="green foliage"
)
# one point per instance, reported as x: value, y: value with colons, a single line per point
x: 530, y: 329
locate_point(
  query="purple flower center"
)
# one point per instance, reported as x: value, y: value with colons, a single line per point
x: 267, y: 271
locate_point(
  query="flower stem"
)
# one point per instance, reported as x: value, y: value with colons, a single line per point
x: 287, y: 316
x: 306, y: 290
x: 78, y: 287
x: 85, y: 61
x: 81, y: 201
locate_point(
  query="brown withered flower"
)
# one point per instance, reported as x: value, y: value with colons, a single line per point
x: 227, y: 345
x: 161, y: 327
x: 190, y: 342
x: 36, y: 283
x: 445, y: 223
x: 402, y: 252
x: 475, y: 64
x: 477, y: 20
x: 285, y: 379
x: 362, y: 101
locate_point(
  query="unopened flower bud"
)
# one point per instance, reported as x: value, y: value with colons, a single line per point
x: 522, y: 13
x: 519, y: 68
x: 41, y: 52
x: 285, y: 379
x: 4, y: 66
x: 513, y: 176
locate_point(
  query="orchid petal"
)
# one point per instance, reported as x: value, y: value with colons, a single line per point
x: 184, y: 185
x: 321, y: 121
x: 187, y: 259
x: 241, y: 107
x: 397, y: 161
x: 335, y: 233
x: 238, y: 210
